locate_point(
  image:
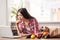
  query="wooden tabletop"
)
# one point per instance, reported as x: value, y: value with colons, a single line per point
x: 27, y: 39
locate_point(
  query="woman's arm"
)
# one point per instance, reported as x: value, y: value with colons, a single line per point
x: 18, y: 30
x: 20, y: 33
x: 36, y: 27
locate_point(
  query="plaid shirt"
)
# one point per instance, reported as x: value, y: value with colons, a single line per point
x: 33, y: 26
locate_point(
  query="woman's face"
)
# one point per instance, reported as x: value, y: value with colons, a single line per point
x: 20, y: 16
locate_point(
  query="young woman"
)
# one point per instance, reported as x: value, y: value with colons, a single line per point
x: 26, y: 24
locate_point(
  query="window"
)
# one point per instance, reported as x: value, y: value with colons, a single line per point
x: 45, y: 10
x: 42, y: 10
x: 13, y: 6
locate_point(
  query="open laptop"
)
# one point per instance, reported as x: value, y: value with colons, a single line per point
x: 6, y: 32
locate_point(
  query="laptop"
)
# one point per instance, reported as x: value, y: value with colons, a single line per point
x: 6, y: 32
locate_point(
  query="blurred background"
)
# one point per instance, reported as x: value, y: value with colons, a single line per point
x: 47, y: 13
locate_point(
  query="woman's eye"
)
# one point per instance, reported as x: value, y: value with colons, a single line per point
x: 20, y: 15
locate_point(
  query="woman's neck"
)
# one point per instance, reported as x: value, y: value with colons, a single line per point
x: 26, y: 20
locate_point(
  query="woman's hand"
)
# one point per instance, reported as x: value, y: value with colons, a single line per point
x: 24, y: 35
x: 18, y: 21
x: 38, y: 35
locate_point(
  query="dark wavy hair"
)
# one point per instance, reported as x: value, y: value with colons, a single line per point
x: 25, y: 13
